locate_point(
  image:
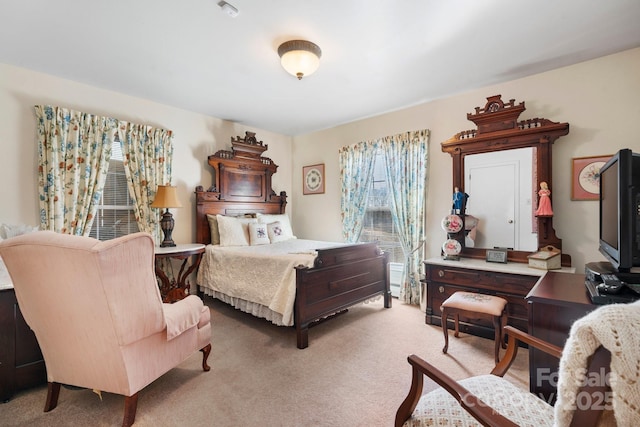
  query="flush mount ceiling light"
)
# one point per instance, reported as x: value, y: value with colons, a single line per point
x: 300, y: 58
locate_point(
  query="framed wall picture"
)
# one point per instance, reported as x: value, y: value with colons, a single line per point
x: 585, y: 177
x: 313, y: 179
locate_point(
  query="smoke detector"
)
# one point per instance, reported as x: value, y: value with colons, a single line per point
x: 228, y: 9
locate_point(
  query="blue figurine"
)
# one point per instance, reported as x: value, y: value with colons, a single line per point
x: 458, y: 199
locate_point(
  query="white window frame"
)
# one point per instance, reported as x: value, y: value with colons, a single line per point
x: 114, y: 219
x: 379, y: 203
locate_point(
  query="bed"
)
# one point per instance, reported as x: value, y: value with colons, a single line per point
x: 322, y: 279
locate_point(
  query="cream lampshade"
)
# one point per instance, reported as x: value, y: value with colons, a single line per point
x: 166, y: 197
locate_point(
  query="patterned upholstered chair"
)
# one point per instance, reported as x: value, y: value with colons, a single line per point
x: 608, y: 338
x: 96, y: 311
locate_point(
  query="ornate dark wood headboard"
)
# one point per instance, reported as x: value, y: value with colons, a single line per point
x: 243, y: 185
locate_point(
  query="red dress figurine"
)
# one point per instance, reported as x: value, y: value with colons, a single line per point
x: 544, y: 205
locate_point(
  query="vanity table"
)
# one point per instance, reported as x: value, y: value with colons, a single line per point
x: 498, y: 135
x: 511, y: 281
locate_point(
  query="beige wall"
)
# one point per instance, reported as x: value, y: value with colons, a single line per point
x: 195, y: 137
x: 599, y: 99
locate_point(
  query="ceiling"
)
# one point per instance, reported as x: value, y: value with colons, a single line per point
x: 377, y: 55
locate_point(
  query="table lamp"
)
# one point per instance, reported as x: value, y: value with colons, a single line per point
x: 166, y: 197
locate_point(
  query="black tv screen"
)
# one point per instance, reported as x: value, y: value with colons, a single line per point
x: 620, y: 210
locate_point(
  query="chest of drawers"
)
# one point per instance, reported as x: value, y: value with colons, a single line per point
x: 509, y: 281
x: 21, y: 362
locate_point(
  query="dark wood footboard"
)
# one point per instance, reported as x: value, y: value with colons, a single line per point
x: 341, y: 277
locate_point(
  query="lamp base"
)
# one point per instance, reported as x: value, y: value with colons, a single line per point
x: 166, y: 224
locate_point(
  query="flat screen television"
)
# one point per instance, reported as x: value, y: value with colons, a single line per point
x: 620, y: 211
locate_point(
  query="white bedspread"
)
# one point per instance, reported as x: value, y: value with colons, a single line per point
x: 263, y: 274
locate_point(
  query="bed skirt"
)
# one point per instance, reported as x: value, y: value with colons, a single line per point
x: 257, y: 310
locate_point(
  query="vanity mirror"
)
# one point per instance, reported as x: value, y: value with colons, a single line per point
x: 507, y: 160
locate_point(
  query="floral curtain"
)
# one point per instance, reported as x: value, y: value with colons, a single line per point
x: 406, y: 166
x: 148, y: 153
x: 356, y: 173
x: 74, y: 149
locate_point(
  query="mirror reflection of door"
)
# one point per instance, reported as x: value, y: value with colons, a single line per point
x: 499, y: 185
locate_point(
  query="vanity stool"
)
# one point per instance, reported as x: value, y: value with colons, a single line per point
x: 471, y: 304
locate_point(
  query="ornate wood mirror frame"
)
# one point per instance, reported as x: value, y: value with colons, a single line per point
x: 498, y: 129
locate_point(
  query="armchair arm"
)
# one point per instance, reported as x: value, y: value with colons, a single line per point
x: 468, y: 401
x: 182, y: 315
x: 515, y: 336
x: 476, y: 408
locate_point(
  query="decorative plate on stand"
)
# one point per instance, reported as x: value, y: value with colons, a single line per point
x: 451, y: 248
x: 452, y: 223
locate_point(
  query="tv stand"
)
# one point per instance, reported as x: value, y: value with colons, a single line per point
x: 593, y: 270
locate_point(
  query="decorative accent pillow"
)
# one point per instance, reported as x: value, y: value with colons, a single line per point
x: 285, y: 224
x: 234, y: 231
x: 276, y: 232
x: 258, y: 234
x: 213, y: 229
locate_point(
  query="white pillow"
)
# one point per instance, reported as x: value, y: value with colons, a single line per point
x: 258, y: 234
x: 234, y: 231
x: 283, y: 219
x: 7, y: 231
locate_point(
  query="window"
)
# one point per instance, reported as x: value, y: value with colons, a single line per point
x: 115, y: 216
x: 378, y: 224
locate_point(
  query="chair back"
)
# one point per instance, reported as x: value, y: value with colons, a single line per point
x: 85, y: 300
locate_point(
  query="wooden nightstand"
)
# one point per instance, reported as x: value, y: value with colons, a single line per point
x: 178, y: 288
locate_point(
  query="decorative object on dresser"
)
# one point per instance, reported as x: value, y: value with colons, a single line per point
x: 547, y: 258
x: 166, y: 197
x: 452, y: 224
x: 544, y: 201
x: 318, y: 281
x: 177, y: 288
x: 497, y: 255
x: 499, y: 130
x: 118, y: 336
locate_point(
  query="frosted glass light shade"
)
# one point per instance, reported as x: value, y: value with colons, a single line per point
x: 300, y: 58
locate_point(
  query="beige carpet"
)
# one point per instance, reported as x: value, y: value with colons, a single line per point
x: 354, y: 373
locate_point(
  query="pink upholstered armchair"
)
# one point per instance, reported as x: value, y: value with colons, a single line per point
x: 96, y: 311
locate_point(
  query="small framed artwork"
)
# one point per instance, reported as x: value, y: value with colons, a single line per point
x: 585, y: 177
x: 313, y: 179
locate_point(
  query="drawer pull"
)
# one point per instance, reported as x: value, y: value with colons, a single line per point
x: 440, y: 273
x: 441, y: 289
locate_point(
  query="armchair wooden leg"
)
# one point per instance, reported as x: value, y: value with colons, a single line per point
x: 443, y: 319
x: 205, y: 355
x: 497, y: 326
x: 53, y: 391
x: 130, y: 407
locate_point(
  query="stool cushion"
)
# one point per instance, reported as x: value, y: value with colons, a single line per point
x: 479, y: 303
